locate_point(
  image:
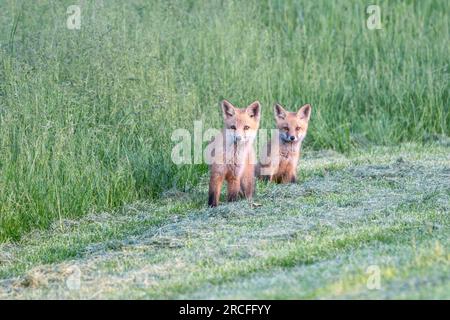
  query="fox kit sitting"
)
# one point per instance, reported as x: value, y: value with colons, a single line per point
x: 232, y: 152
x: 280, y: 157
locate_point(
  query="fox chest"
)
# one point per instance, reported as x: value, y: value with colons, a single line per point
x: 288, y: 161
x: 287, y: 165
x: 235, y: 170
x: 238, y: 162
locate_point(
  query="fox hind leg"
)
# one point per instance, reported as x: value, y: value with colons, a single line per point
x: 234, y: 187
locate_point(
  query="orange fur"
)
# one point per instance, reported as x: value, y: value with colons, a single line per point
x: 280, y: 157
x: 234, y: 156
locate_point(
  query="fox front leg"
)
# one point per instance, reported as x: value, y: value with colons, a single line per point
x: 248, y: 183
x: 289, y: 178
x: 234, y: 186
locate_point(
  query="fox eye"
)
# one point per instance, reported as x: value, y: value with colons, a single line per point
x: 246, y: 127
x: 286, y: 128
x: 233, y: 127
x: 298, y: 128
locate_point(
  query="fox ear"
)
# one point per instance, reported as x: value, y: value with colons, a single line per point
x: 280, y: 113
x: 305, y: 112
x: 254, y: 109
x: 227, y: 109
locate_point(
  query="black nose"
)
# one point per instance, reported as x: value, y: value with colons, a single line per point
x: 292, y: 138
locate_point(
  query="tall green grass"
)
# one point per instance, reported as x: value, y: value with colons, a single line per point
x: 86, y: 115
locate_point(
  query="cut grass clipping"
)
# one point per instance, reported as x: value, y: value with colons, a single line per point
x: 383, y: 213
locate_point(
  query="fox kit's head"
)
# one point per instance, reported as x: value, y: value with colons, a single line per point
x: 241, y: 124
x: 292, y: 125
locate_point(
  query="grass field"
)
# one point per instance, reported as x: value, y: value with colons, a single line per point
x: 385, y: 208
x: 86, y: 115
x: 91, y: 205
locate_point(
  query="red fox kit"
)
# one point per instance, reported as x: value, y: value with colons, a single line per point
x: 234, y: 156
x: 280, y: 157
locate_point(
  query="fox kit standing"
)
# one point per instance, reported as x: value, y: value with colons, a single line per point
x: 233, y: 155
x: 280, y: 157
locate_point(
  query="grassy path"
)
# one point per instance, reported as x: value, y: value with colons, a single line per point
x: 387, y: 210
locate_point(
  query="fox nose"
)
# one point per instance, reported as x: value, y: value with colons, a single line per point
x: 237, y: 138
x: 292, y: 138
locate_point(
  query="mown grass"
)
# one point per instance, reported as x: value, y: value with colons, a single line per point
x: 310, y: 240
x: 86, y: 115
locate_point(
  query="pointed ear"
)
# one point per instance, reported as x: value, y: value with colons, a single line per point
x: 279, y: 111
x: 305, y: 112
x: 254, y: 109
x: 227, y: 109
